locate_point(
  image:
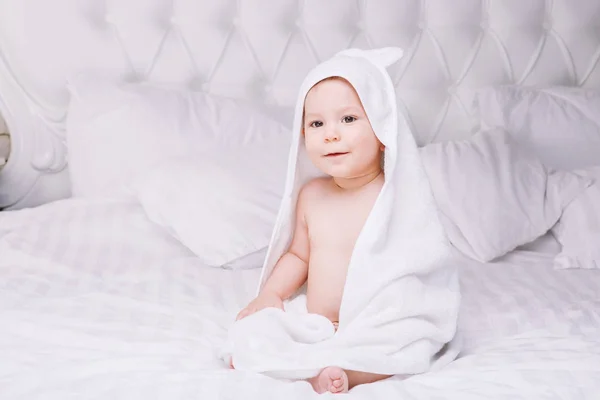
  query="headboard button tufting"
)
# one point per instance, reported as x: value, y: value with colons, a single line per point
x: 259, y: 50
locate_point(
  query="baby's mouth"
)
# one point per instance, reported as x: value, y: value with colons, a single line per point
x: 337, y: 154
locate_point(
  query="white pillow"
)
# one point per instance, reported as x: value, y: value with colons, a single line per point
x: 249, y: 261
x: 561, y: 125
x: 223, y: 205
x: 578, y: 229
x: 493, y: 195
x: 117, y: 130
x: 545, y: 244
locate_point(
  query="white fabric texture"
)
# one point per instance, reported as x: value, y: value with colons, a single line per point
x: 561, y: 125
x: 118, y: 130
x: 222, y: 205
x: 578, y: 229
x: 495, y: 196
x: 401, y: 297
x: 96, y: 302
x: 546, y: 244
x: 3, y: 127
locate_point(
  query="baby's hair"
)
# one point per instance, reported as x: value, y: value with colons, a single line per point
x: 331, y: 78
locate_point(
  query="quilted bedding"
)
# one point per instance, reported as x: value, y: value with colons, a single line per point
x: 97, y: 303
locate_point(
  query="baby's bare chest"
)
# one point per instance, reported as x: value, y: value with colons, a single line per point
x: 336, y: 225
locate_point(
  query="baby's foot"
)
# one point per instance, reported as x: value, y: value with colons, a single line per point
x: 331, y: 379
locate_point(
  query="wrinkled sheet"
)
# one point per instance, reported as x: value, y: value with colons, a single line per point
x: 98, y: 303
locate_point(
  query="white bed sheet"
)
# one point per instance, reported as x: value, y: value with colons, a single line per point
x: 97, y: 303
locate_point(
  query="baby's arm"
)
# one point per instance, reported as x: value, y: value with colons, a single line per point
x: 290, y: 272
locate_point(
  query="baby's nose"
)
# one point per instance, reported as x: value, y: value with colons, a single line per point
x: 332, y: 136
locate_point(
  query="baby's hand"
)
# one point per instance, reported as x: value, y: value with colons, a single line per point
x: 263, y: 300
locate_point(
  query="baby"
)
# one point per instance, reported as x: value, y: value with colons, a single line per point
x: 330, y: 214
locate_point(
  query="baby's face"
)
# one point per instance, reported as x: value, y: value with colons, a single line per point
x: 338, y: 136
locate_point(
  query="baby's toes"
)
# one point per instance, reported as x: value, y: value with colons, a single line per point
x: 337, y: 386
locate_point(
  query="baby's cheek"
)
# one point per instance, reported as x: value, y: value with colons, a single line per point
x: 313, y: 152
x: 369, y: 152
x: 310, y: 147
x: 364, y: 144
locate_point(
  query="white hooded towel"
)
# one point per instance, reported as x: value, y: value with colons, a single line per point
x: 401, y: 298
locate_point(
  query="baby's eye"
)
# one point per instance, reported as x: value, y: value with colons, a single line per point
x: 316, y: 124
x: 349, y: 119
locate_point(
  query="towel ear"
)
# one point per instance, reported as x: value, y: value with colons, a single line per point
x: 384, y: 56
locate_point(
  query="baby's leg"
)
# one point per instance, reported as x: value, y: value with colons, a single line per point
x: 356, y: 378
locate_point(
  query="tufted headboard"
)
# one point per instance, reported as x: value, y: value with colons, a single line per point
x: 261, y: 49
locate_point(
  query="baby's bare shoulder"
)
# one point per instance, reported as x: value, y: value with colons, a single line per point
x: 313, y: 191
x: 316, y: 187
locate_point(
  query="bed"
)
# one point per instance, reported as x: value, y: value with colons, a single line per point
x: 130, y: 313
x: 99, y: 302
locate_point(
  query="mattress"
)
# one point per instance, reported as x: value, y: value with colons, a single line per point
x: 98, y: 303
